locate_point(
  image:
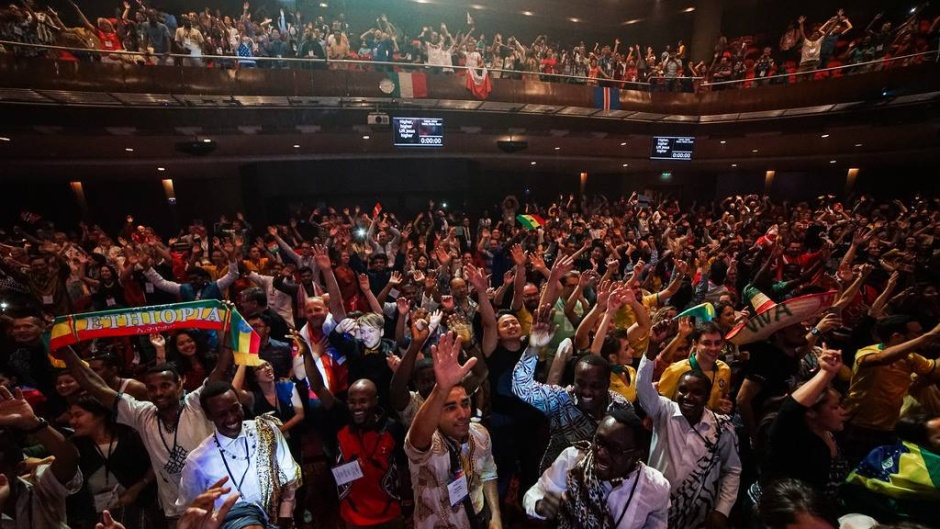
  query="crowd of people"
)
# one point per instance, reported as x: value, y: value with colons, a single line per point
x: 625, y: 362
x: 136, y: 33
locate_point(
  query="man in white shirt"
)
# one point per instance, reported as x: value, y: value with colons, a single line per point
x: 170, y: 425
x: 253, y: 455
x: 693, y: 447
x: 603, y: 479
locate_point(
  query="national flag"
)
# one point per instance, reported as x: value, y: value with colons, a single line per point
x: 607, y: 98
x: 900, y: 471
x: 530, y: 222
x: 478, y: 80
x: 376, y: 210
x: 208, y: 314
x: 704, y: 312
x: 410, y: 85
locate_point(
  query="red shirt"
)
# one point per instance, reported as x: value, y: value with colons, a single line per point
x: 375, y: 497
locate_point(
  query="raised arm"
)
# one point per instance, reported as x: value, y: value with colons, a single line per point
x: 398, y: 388
x: 490, y: 335
x: 322, y: 258
x: 88, y: 380
x: 314, y: 378
x: 15, y: 412
x: 891, y: 354
x: 448, y: 373
x: 518, y: 285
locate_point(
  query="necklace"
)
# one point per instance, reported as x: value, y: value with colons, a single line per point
x: 247, y: 459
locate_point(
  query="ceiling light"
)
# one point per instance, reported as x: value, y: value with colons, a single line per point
x: 626, y: 165
x: 824, y: 136
x: 574, y: 19
x: 296, y: 146
x: 128, y: 149
x: 688, y: 10
x: 622, y: 144
x: 206, y: 140
x: 533, y: 163
x: 4, y: 138
x: 366, y: 137
x: 734, y: 165
x: 858, y: 144
x: 832, y: 161
x: 324, y: 4
x: 477, y: 6
x: 557, y: 148
x: 723, y: 142
x: 528, y: 13
x: 755, y: 150
x: 161, y: 169
x: 633, y: 21
x: 423, y: 1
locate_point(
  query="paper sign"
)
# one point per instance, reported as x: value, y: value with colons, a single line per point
x: 347, y: 473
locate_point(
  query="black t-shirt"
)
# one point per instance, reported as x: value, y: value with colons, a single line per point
x: 502, y: 399
x: 774, y: 370
x: 793, y: 451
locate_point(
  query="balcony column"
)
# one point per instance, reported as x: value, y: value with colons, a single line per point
x: 705, y: 30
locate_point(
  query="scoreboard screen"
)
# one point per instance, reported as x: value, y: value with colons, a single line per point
x: 672, y: 148
x: 418, y: 132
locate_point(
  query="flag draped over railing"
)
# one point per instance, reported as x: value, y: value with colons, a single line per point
x: 208, y: 314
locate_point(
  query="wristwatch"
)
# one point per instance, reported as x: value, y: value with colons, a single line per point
x: 814, y: 331
x: 42, y: 425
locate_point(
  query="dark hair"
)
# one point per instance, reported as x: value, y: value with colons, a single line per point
x: 162, y: 368
x: 213, y: 389
x: 199, y: 272
x: 377, y: 256
x: 592, y: 360
x: 913, y: 429
x: 90, y: 404
x: 304, y: 269
x: 202, y: 351
x: 698, y: 374
x: 892, y: 324
x: 255, y: 294
x: 611, y: 346
x: 718, y: 272
x: 705, y: 327
x: 782, y: 500
x: 721, y: 305
x: 266, y: 319
x: 629, y: 418
x: 108, y: 359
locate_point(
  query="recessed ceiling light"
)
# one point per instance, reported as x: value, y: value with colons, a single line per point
x: 528, y: 13
x: 832, y: 161
x: 296, y: 146
x: 633, y: 21
x: 723, y: 142
x: 824, y: 136
x: 324, y: 4
x: 128, y: 149
x: 755, y: 150
x: 4, y: 138
x: 858, y: 144
x: 626, y: 165
x: 423, y: 1
x: 623, y: 143
x: 688, y: 10
x: 574, y: 19
x: 161, y: 168
x: 557, y: 148
x: 206, y: 140
x: 533, y: 163
x: 366, y: 137
x: 477, y: 6
x: 734, y: 165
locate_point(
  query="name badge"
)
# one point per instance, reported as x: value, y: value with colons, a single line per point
x: 47, y: 300
x: 104, y: 500
x: 149, y: 288
x: 457, y: 490
x: 347, y: 473
x: 110, y: 302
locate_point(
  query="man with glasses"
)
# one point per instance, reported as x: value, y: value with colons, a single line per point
x: 606, y: 478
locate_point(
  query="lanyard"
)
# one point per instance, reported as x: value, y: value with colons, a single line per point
x: 238, y: 484
x: 629, y: 499
x: 378, y: 442
x: 107, y: 460
x: 176, y: 432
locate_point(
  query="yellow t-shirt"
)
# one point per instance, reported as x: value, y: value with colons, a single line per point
x: 525, y: 320
x: 877, y: 392
x: 721, y: 381
x: 627, y: 390
x: 625, y: 317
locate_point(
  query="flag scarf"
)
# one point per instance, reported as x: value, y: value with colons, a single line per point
x: 530, y: 222
x: 704, y: 312
x: 478, y: 77
x: 207, y: 314
x: 903, y: 471
x: 606, y: 98
x: 410, y: 85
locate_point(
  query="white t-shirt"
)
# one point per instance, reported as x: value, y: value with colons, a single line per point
x: 192, y: 429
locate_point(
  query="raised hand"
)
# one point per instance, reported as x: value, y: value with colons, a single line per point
x: 476, y: 278
x: 201, y: 513
x: 158, y: 341
x: 830, y: 360
x: 107, y: 522
x: 403, y: 306
x: 459, y: 325
x: 15, y: 412
x: 542, y: 331
x: 272, y: 230
x: 518, y: 256
x: 393, y: 362
x: 321, y: 257
x: 685, y: 326
x: 395, y: 279
x: 447, y: 369
x: 434, y: 320
x: 537, y: 261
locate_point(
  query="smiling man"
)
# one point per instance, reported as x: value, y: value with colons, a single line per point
x: 253, y: 455
x: 605, y: 478
x: 693, y: 447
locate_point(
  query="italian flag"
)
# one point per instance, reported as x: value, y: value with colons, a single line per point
x: 530, y: 222
x: 410, y: 85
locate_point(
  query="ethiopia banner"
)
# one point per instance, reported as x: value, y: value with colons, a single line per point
x: 209, y: 314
